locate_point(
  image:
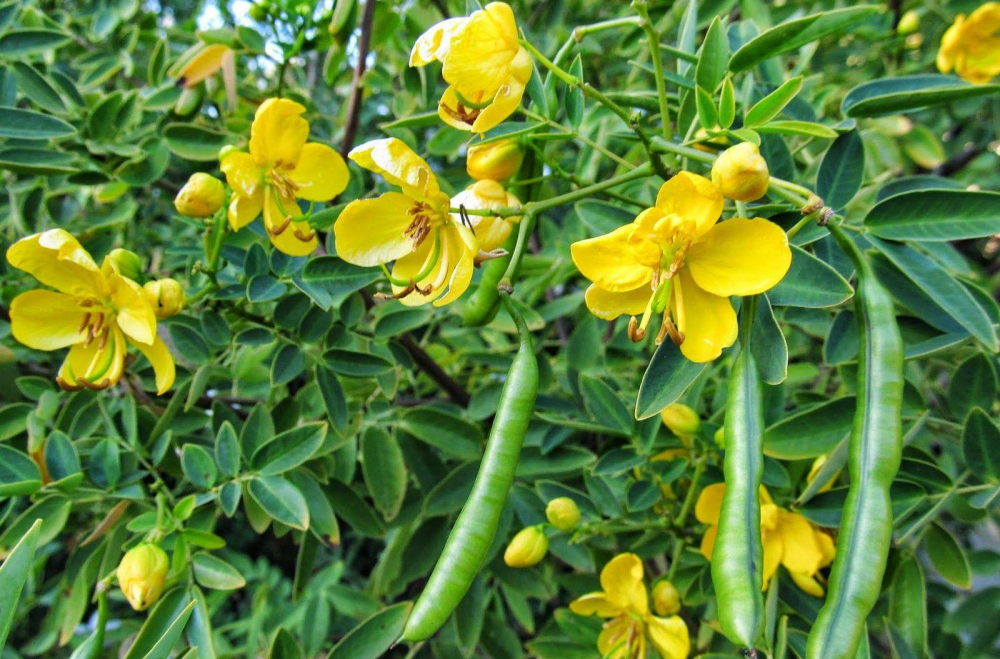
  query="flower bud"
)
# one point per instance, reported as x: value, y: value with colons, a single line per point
x: 817, y: 465
x: 142, y: 574
x: 166, y: 296
x: 740, y: 173
x: 125, y: 263
x: 527, y: 548
x: 908, y: 23
x: 497, y: 161
x: 491, y: 231
x: 666, y: 599
x: 201, y: 196
x: 681, y: 420
x: 563, y: 513
x: 720, y: 437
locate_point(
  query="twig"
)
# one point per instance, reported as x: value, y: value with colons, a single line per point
x: 455, y: 391
x: 354, y: 105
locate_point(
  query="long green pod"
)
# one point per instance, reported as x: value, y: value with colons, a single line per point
x: 470, y: 539
x: 738, y: 557
x: 875, y: 450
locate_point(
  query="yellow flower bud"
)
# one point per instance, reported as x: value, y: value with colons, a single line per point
x: 142, y: 574
x: 166, y: 296
x: 497, y: 161
x: 908, y: 23
x: 563, y: 513
x: 201, y: 196
x: 666, y: 599
x: 740, y: 173
x: 125, y: 263
x: 681, y: 420
x: 527, y: 548
x: 817, y: 465
x: 720, y: 437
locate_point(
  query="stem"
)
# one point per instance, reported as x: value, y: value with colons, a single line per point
x: 455, y: 391
x: 576, y: 135
x: 523, y: 236
x: 654, y: 51
x: 699, y: 469
x: 354, y: 105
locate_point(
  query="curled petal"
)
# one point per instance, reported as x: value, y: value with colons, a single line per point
x: 163, y: 364
x: 398, y: 165
x: 243, y: 173
x: 56, y: 259
x: 433, y: 44
x: 608, y: 305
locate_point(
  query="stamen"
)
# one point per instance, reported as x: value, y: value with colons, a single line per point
x: 483, y: 257
x: 280, y: 229
x: 635, y: 333
x: 86, y: 321
x: 66, y: 386
x: 304, y: 237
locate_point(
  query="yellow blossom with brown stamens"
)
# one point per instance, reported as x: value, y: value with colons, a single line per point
x: 280, y: 168
x: 94, y: 311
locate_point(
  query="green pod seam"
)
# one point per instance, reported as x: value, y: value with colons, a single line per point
x: 737, y: 560
x: 470, y: 539
x: 875, y: 449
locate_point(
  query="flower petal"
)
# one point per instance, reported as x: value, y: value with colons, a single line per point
x: 808, y: 584
x: 492, y: 231
x: 773, y: 551
x: 278, y: 132
x: 433, y: 44
x: 616, y: 636
x: 320, y: 173
x: 480, y: 55
x: 802, y: 552
x: 826, y: 547
x: 621, y: 580
x: 740, y: 257
x: 505, y: 103
x: 709, y: 504
x: 398, y: 165
x: 244, y: 210
x: 708, y: 542
x: 243, y: 174
x: 205, y: 63
x: 46, y: 320
x: 162, y: 361
x: 609, y: 262
x: 707, y: 321
x: 372, y: 231
x: 608, y: 305
x: 288, y: 236
x: 135, y: 316
x: 594, y: 604
x: 694, y: 198
x: 56, y: 259
x: 669, y: 636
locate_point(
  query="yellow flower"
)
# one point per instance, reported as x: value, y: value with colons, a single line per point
x: 433, y: 251
x: 142, y: 575
x: 676, y: 260
x: 280, y: 168
x: 788, y: 539
x: 630, y: 626
x: 740, y: 172
x: 971, y: 46
x: 498, y: 161
x: 165, y: 296
x: 485, y: 66
x: 201, y: 196
x: 94, y: 311
x: 681, y: 420
x: 491, y: 232
x: 527, y: 547
x: 562, y: 513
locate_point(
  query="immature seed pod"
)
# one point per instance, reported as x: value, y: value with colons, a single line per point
x: 166, y: 296
x: 201, y: 196
x: 563, y: 513
x: 666, y: 599
x: 142, y: 574
x: 527, y: 548
x: 740, y: 172
x: 681, y: 420
x: 497, y: 161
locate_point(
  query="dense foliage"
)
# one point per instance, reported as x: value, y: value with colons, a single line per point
x: 557, y: 329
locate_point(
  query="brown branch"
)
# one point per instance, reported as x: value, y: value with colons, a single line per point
x: 958, y: 162
x: 455, y: 391
x: 354, y: 105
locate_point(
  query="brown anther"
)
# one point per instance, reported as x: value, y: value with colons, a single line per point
x: 280, y: 229
x: 676, y: 335
x: 104, y: 338
x: 461, y: 113
x: 66, y: 386
x: 483, y: 257
x: 399, y: 295
x: 87, y: 303
x: 418, y: 229
x: 635, y: 333
x: 304, y: 236
x: 96, y: 386
x: 85, y: 322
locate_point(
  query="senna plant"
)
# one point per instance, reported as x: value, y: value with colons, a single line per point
x: 447, y: 329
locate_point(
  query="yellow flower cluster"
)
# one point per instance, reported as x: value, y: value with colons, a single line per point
x: 788, y: 538
x: 631, y: 629
x: 96, y: 312
x: 971, y: 46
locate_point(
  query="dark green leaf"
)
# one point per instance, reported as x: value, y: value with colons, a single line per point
x: 931, y: 215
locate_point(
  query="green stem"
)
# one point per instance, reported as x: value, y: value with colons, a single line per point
x: 523, y: 236
x: 653, y: 38
x: 699, y: 469
x: 578, y: 136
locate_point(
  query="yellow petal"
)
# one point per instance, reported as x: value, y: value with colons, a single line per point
x: 452, y: 272
x: 693, y: 198
x: 244, y: 210
x: 320, y: 173
x: 481, y: 54
x: 708, y: 542
x: 279, y: 132
x: 773, y: 551
x: 808, y: 584
x: 288, y: 236
x: 707, y: 321
x: 462, y: 248
x: 372, y: 231
x: 621, y: 580
x: 398, y: 165
x: 984, y: 21
x: 162, y: 361
x: 205, y: 63
x: 669, y: 636
x: 244, y: 175
x: 505, y: 103
x: 950, y: 45
x: 492, y: 231
x: 56, y: 259
x: 433, y: 44
x: 740, y: 257
x: 594, y: 604
x: 609, y: 262
x: 450, y: 109
x: 98, y: 364
x: 135, y: 316
x: 826, y: 547
x: 608, y: 305
x: 709, y: 504
x: 801, y: 552
x: 46, y: 320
